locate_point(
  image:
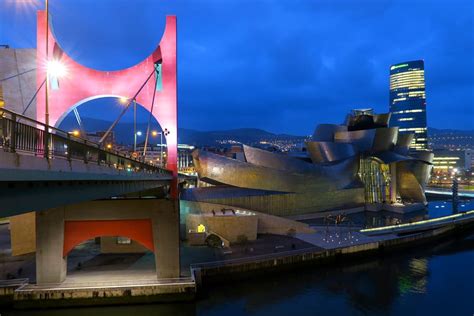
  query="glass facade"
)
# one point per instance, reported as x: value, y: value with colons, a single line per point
x: 376, y: 178
x: 408, y: 101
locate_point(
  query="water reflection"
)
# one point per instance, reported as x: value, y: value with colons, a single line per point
x: 416, y: 280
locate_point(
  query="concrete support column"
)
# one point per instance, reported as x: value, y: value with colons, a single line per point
x: 393, y: 182
x: 165, y: 223
x: 51, y: 267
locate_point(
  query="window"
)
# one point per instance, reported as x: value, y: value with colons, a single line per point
x: 123, y: 241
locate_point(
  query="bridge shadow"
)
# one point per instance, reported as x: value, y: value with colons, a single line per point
x: 86, y: 263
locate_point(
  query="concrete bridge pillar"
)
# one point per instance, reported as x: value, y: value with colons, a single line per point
x: 51, y: 266
x: 165, y: 223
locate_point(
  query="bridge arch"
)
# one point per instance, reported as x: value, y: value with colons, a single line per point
x: 76, y: 232
x: 82, y: 102
x: 155, y: 77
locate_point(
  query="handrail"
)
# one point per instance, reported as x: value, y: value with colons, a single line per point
x: 36, y: 138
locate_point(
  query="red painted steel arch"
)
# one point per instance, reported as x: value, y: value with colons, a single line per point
x: 76, y: 232
x: 82, y: 83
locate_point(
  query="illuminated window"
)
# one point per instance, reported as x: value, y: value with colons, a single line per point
x: 124, y: 241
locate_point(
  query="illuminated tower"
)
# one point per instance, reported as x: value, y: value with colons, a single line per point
x: 408, y: 101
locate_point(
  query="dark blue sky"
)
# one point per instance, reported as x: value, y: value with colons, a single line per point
x: 280, y: 65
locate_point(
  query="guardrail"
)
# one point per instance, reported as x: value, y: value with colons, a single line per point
x: 24, y: 135
x: 433, y: 222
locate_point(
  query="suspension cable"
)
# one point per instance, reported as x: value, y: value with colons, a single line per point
x: 33, y: 97
x: 149, y: 119
x: 17, y: 75
x: 125, y: 109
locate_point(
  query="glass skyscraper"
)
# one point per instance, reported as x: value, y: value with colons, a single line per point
x: 408, y: 101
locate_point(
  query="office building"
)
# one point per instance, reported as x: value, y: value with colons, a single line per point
x: 408, y: 101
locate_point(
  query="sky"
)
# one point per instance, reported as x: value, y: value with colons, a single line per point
x: 280, y: 65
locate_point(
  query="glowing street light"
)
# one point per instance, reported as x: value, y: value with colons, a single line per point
x: 75, y: 133
x: 56, y: 69
x: 139, y: 133
x: 154, y: 133
x: 109, y: 146
x: 123, y: 100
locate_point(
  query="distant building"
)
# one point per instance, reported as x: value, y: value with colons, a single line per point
x: 446, y: 160
x: 408, y: 101
x: 97, y: 136
x: 449, y: 164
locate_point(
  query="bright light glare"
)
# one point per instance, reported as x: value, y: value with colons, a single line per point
x: 123, y: 100
x: 75, y: 132
x: 139, y: 133
x: 56, y: 69
x: 154, y: 133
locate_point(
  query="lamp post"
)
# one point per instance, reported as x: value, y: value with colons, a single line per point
x: 46, y: 110
x: 134, y: 125
x: 155, y: 133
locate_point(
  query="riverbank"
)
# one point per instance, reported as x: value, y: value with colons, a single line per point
x: 212, y: 272
x: 330, y: 246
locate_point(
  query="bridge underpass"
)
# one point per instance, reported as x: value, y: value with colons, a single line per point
x: 58, y: 180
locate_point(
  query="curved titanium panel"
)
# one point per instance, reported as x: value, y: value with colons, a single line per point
x: 326, y: 132
x: 321, y: 152
x: 219, y: 169
x: 421, y: 166
x: 408, y: 186
x: 361, y: 139
x: 388, y: 157
x: 264, y: 158
x: 403, y: 143
x: 382, y: 119
x: 426, y: 156
x: 385, y: 138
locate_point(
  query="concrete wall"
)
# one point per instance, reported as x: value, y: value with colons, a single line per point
x: 23, y: 233
x: 229, y: 227
x: 110, y: 245
x: 18, y: 91
x: 267, y: 224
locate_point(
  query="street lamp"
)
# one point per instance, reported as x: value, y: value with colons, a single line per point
x: 123, y: 100
x: 56, y: 69
x: 46, y: 105
x: 137, y: 133
x: 154, y: 134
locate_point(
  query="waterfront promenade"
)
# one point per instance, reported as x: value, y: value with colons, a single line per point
x: 329, y: 244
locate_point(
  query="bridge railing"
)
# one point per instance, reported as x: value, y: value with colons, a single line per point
x: 24, y: 135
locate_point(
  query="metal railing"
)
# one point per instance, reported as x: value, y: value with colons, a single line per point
x: 23, y: 135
